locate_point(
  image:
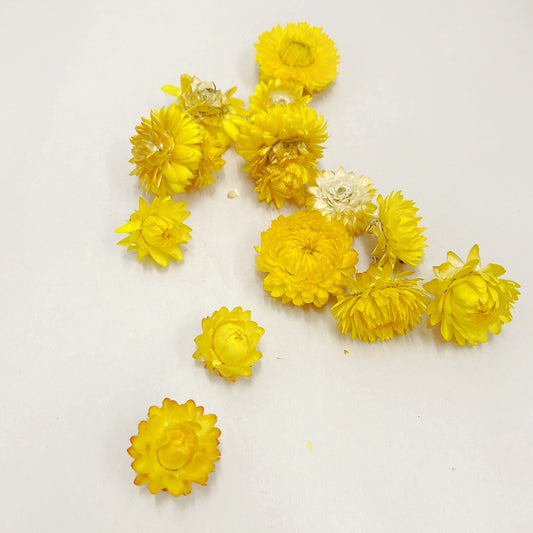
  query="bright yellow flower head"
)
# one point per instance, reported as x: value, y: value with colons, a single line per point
x: 219, y: 112
x: 175, y: 447
x: 343, y: 196
x: 277, y: 92
x: 166, y: 151
x: 470, y: 301
x: 157, y: 230
x: 228, y: 343
x: 300, y: 53
x: 213, y: 147
x: 397, y: 230
x: 379, y: 304
x: 281, y: 138
x: 306, y: 258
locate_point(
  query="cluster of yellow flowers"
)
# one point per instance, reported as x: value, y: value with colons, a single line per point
x: 307, y: 256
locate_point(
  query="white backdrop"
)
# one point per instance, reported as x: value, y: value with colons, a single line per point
x: 433, y: 98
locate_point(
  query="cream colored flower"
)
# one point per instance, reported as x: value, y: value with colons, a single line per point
x: 343, y: 196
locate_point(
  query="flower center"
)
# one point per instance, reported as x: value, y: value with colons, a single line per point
x: 157, y: 231
x: 230, y: 342
x: 281, y: 97
x: 296, y: 54
x: 177, y: 447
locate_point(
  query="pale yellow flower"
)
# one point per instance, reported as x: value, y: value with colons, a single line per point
x: 157, y: 230
x: 228, y: 343
x: 300, y: 53
x: 277, y: 92
x: 279, y: 139
x: 343, y: 196
x: 175, y: 447
x: 470, y: 301
x: 306, y: 258
x: 166, y: 151
x: 379, y: 304
x: 218, y: 111
x: 397, y: 230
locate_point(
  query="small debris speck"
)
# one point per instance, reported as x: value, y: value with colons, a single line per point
x: 310, y: 446
x: 346, y: 352
x: 233, y: 194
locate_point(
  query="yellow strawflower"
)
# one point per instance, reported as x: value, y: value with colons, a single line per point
x: 228, y: 343
x: 470, y: 301
x: 299, y: 53
x: 166, y: 151
x: 281, y: 139
x: 343, y: 196
x: 213, y: 147
x: 220, y: 113
x: 157, y: 230
x: 175, y: 447
x: 399, y: 236
x: 379, y: 304
x: 306, y: 258
x: 277, y: 92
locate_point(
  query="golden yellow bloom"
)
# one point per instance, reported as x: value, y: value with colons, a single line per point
x: 281, y: 139
x: 166, y: 151
x: 277, y: 92
x: 470, y: 301
x: 399, y: 237
x: 379, y: 304
x: 157, y: 230
x: 219, y: 112
x: 298, y: 52
x: 343, y: 196
x: 228, y: 343
x: 306, y: 258
x: 213, y: 147
x: 175, y: 447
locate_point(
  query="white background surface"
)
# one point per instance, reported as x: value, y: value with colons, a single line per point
x: 433, y: 98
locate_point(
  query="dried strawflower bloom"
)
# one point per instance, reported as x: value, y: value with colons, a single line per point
x: 228, y: 343
x: 213, y: 147
x: 219, y: 112
x: 343, y: 196
x: 397, y: 230
x: 157, y: 230
x: 281, y: 139
x: 306, y: 258
x: 166, y: 151
x: 470, y: 301
x: 300, y: 53
x: 175, y: 447
x: 277, y: 92
x: 379, y: 304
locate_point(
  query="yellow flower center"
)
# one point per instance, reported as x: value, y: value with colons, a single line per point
x: 281, y: 97
x: 230, y: 342
x: 157, y: 231
x: 296, y: 54
x: 177, y: 447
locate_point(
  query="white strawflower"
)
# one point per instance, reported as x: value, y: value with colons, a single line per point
x: 343, y: 196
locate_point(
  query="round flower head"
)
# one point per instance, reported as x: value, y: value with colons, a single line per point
x: 379, y: 304
x: 277, y: 92
x: 228, y: 343
x: 397, y: 230
x: 157, y: 230
x: 279, y: 137
x: 470, y: 301
x: 175, y: 447
x: 343, y: 196
x: 219, y: 112
x: 213, y: 147
x: 298, y: 52
x: 166, y: 151
x: 306, y: 258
